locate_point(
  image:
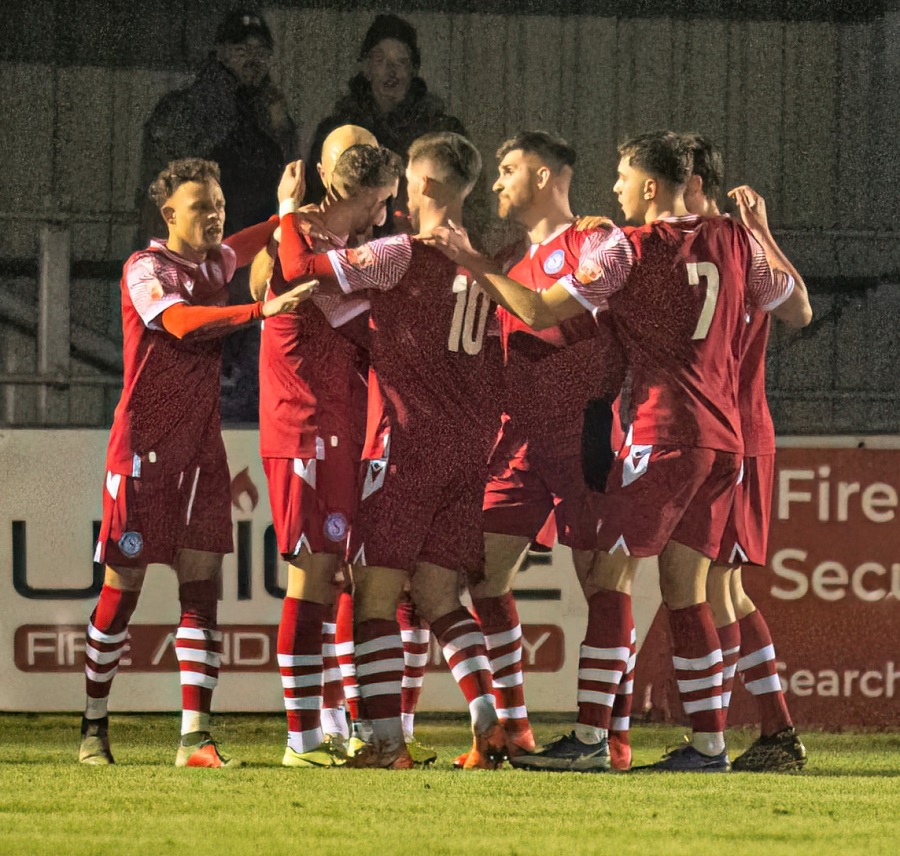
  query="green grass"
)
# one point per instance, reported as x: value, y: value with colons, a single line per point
x: 847, y: 801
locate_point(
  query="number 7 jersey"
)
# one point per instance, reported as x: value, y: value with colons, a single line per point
x: 428, y: 320
x: 681, y: 315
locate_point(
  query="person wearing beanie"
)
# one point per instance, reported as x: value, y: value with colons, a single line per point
x: 388, y: 98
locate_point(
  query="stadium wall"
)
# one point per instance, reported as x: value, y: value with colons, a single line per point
x: 804, y: 98
x: 830, y: 593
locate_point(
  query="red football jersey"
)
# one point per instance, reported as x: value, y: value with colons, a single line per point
x: 428, y: 321
x: 552, y: 374
x: 170, y: 392
x: 756, y: 420
x: 679, y: 314
x: 309, y: 376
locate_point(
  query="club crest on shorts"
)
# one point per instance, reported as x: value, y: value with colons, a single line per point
x: 131, y: 544
x: 335, y: 526
x: 554, y: 262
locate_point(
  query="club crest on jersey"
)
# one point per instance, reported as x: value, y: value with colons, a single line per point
x: 335, y: 526
x: 361, y: 257
x: 131, y: 544
x: 554, y: 262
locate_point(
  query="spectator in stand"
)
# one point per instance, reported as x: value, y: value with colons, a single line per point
x: 388, y: 98
x: 231, y: 113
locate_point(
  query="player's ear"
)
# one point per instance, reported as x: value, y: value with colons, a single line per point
x: 168, y: 214
x: 543, y: 176
x: 431, y: 188
x: 651, y: 186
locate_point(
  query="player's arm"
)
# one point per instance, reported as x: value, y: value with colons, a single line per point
x: 795, y: 309
x: 182, y: 319
x: 248, y: 242
x: 261, y: 270
x: 604, y: 263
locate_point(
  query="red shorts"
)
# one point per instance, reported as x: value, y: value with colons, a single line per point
x: 421, y: 510
x: 529, y: 480
x: 746, y: 535
x: 313, y: 500
x: 147, y: 520
x: 657, y: 494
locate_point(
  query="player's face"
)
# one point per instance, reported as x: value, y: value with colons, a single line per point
x: 516, y: 185
x: 630, y: 189
x: 248, y: 61
x: 195, y: 215
x: 370, y: 206
x: 389, y: 68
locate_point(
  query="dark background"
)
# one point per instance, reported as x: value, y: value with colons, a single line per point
x: 804, y: 99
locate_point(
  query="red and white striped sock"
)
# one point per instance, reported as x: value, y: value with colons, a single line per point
x: 300, y: 665
x: 499, y: 620
x: 107, y: 640
x: 334, y: 719
x: 379, y: 670
x: 698, y: 670
x: 198, y: 647
x: 343, y: 639
x: 603, y: 661
x: 758, y: 672
x: 730, y: 643
x: 462, y: 642
x: 620, y: 721
x: 416, y: 638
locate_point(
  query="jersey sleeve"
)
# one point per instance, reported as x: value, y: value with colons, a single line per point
x: 767, y: 289
x: 605, y: 260
x: 151, y: 290
x: 378, y: 265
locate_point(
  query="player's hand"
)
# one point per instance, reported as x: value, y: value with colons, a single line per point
x: 453, y: 242
x: 311, y: 222
x: 242, y: 484
x: 290, y: 300
x: 752, y: 208
x: 592, y: 223
x: 293, y: 182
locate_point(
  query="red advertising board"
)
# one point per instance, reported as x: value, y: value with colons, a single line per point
x: 829, y: 594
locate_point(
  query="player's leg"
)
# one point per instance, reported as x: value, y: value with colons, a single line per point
x: 107, y: 635
x: 603, y: 661
x: 517, y: 506
x: 697, y: 654
x: 718, y: 594
x: 379, y: 664
x: 307, y: 603
x: 416, y: 638
x: 778, y: 748
x: 435, y: 591
x: 344, y: 647
x: 198, y: 648
x: 334, y: 712
x: 495, y: 607
x: 309, y: 514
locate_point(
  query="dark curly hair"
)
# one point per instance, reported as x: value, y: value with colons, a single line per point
x: 180, y: 172
x: 361, y: 166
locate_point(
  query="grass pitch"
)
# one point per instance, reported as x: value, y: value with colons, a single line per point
x: 847, y: 800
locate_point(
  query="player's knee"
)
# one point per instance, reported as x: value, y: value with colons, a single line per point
x: 743, y: 604
x: 197, y: 566
x: 311, y: 577
x: 124, y: 579
x: 434, y: 591
x: 376, y: 592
